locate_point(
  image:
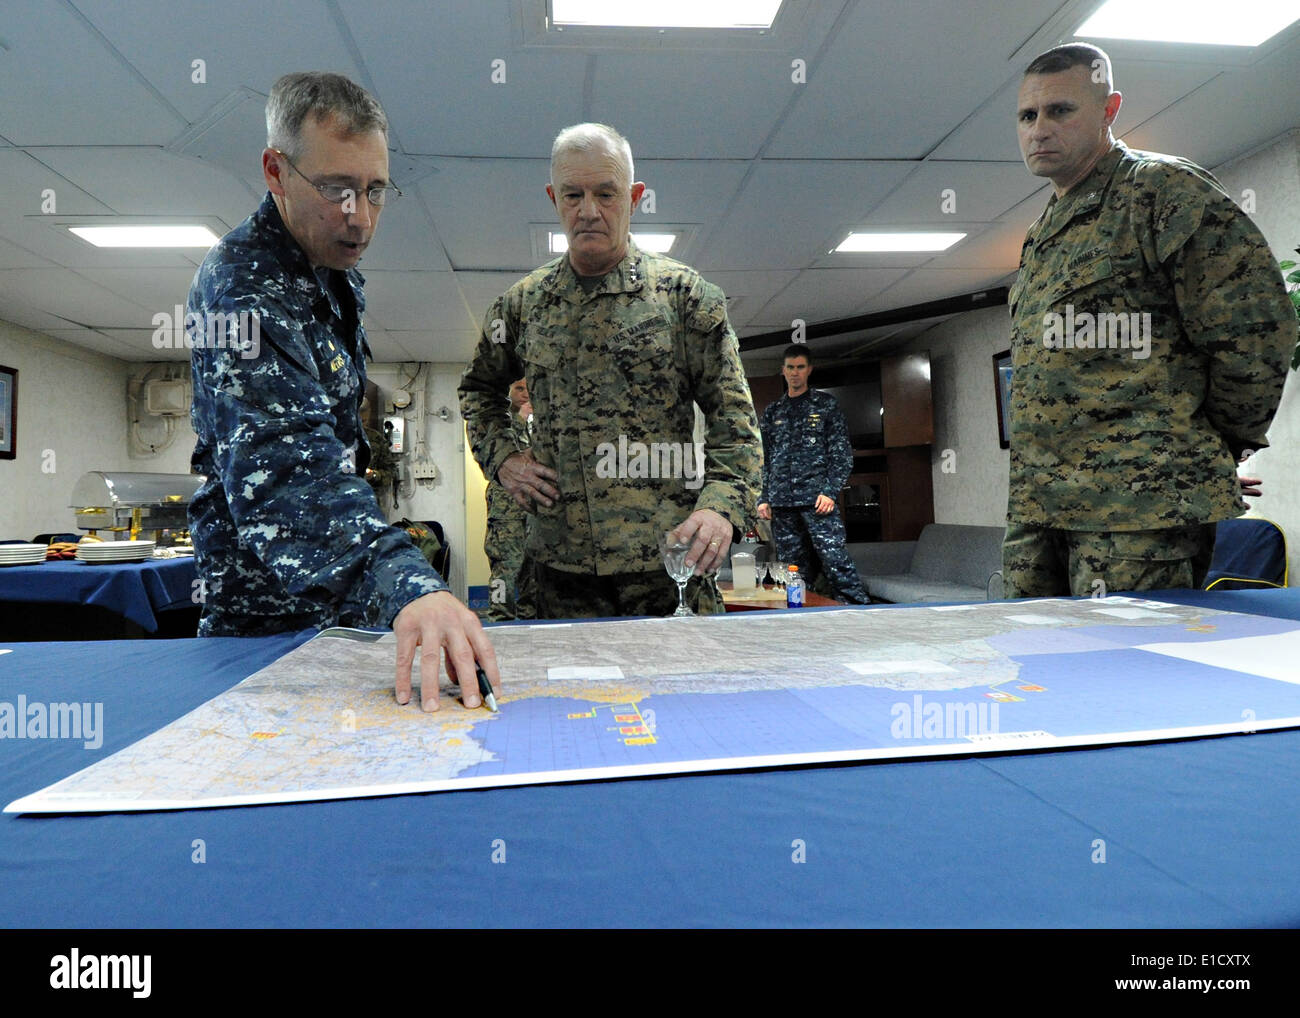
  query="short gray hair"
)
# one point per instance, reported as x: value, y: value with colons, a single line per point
x: 322, y: 95
x: 592, y: 137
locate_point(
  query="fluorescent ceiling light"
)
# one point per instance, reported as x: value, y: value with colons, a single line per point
x: 899, y: 242
x: 665, y: 13
x: 1212, y: 22
x: 659, y: 243
x: 146, y: 236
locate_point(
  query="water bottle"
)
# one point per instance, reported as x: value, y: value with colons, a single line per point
x: 794, y: 589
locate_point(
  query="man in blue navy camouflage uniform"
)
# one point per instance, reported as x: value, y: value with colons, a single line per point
x: 807, y: 457
x: 287, y: 532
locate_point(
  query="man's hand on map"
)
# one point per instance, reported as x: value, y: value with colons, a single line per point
x: 434, y: 622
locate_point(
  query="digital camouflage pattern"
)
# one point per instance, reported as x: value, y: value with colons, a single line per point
x: 816, y: 545
x: 806, y: 453
x: 1101, y: 439
x: 287, y: 533
x: 507, y: 532
x: 806, y: 449
x: 1046, y: 562
x: 622, y: 363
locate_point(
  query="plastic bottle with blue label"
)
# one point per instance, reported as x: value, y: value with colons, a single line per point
x: 794, y: 589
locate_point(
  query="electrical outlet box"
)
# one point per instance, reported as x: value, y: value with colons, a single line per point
x: 424, y: 471
x: 167, y: 398
x: 395, y: 432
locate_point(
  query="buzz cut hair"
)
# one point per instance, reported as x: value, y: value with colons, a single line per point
x: 796, y: 350
x: 1075, y: 54
x: 324, y: 96
x: 592, y: 138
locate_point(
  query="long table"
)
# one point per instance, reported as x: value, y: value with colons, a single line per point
x: 1200, y: 833
x: 140, y: 594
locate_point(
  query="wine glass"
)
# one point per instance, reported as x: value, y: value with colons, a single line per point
x: 673, y: 552
x: 779, y: 573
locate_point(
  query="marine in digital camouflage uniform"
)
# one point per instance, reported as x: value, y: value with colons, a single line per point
x: 1124, y: 451
x: 614, y: 362
x: 287, y: 533
x: 507, y: 534
x: 807, y: 457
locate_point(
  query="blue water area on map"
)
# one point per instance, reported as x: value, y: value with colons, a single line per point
x: 1091, y: 681
x: 1051, y: 640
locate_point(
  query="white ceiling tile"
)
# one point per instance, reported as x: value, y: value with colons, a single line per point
x: 147, y: 181
x: 72, y: 297
x: 1235, y: 112
x: 901, y: 75
x: 240, y: 42
x: 64, y: 86
x: 133, y: 345
x: 405, y: 301
x: 939, y: 194
x: 791, y: 212
x: 157, y: 290
x: 432, y: 67
x: 820, y: 295
x: 442, y: 346
x: 926, y: 284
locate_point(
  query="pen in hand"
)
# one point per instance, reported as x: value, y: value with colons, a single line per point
x: 485, y: 689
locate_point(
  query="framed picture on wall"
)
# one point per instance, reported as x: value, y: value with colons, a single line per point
x: 8, y: 411
x: 1002, y: 384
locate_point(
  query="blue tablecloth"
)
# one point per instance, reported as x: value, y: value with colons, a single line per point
x: 136, y: 590
x: 1201, y: 833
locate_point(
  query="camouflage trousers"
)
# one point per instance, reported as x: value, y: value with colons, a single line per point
x: 562, y: 595
x: 510, y: 594
x: 816, y: 545
x: 1045, y: 562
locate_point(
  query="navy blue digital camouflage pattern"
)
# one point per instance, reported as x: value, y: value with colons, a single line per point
x: 806, y: 453
x: 806, y: 449
x: 287, y: 533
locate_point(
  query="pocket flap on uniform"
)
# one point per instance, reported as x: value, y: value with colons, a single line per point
x: 641, y: 340
x: 1081, y: 275
x: 539, y: 349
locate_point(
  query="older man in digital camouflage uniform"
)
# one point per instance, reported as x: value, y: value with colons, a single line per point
x: 807, y: 457
x: 287, y: 533
x: 1151, y: 336
x: 510, y: 594
x: 617, y: 344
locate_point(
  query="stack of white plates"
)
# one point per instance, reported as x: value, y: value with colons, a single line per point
x: 21, y: 554
x: 97, y: 552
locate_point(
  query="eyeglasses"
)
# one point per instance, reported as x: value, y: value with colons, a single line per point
x: 337, y: 194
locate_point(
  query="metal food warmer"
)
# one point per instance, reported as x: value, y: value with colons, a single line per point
x: 130, y: 505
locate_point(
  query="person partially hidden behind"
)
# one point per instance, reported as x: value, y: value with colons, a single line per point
x: 287, y: 533
x: 510, y: 591
x: 1151, y: 333
x: 807, y: 457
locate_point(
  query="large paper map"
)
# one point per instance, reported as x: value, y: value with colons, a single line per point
x: 662, y: 696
